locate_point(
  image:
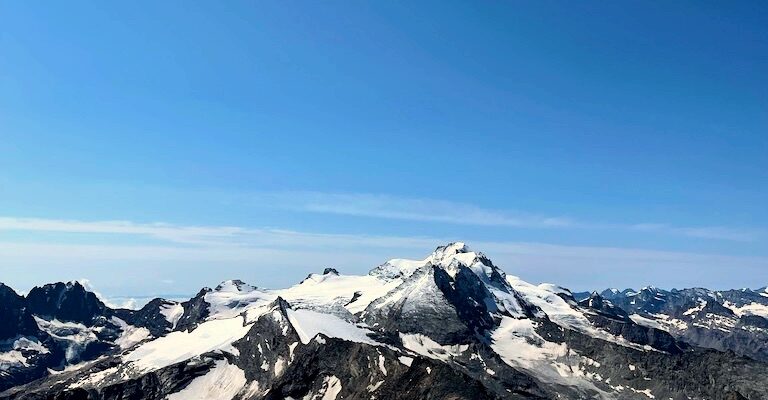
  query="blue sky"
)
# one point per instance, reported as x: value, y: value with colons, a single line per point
x: 587, y: 144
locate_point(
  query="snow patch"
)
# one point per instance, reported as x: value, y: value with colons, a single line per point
x: 172, y: 313
x: 373, y: 387
x: 382, y: 368
x: 76, y: 335
x: 323, y: 290
x: 329, y: 391
x: 748, y: 309
x: 15, y: 355
x: 131, y: 335
x: 95, y: 378
x: 696, y: 309
x: 646, y: 392
x: 646, y: 322
x: 279, y: 366
x: 520, y: 346
x: 309, y: 323
x: 179, y: 346
x: 427, y: 347
x: 222, y: 382
x: 228, y: 301
x: 331, y: 388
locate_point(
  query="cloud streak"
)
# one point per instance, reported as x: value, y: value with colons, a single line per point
x: 241, y: 243
x: 405, y: 208
x: 162, y: 231
x: 206, y: 236
x: 441, y: 211
x: 703, y: 232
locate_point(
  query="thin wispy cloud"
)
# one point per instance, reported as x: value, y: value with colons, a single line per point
x: 204, y: 236
x: 441, y: 211
x: 223, y: 242
x: 405, y: 208
x: 704, y: 232
x: 162, y: 231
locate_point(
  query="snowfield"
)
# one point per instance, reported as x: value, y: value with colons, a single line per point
x: 218, y: 334
x: 222, y: 382
x: 309, y: 324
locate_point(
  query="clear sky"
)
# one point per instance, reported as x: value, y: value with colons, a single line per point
x: 157, y: 147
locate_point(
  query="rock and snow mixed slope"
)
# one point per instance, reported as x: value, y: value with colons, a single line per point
x: 730, y: 320
x: 452, y: 325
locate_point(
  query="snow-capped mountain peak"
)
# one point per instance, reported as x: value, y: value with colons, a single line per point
x: 448, y: 257
x: 448, y: 250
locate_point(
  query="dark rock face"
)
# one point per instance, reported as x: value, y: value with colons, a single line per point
x: 616, y: 321
x: 66, y: 302
x: 34, y: 350
x: 694, y: 373
x: 330, y: 271
x: 195, y: 310
x: 150, y: 316
x: 58, y: 325
x: 36, y: 364
x: 754, y: 321
x: 469, y: 297
x: 16, y: 318
x: 357, y: 365
x: 268, y: 345
x: 604, y: 307
x: 403, y: 309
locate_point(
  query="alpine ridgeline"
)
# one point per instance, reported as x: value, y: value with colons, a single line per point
x: 451, y: 326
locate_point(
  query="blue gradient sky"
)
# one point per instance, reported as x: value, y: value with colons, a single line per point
x: 589, y: 144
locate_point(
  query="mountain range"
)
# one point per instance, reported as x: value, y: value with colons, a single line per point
x: 450, y: 326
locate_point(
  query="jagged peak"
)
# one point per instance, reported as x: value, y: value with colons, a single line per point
x: 280, y: 304
x: 6, y: 290
x: 452, y: 254
x: 450, y: 249
x: 66, y: 289
x: 332, y: 271
x: 317, y: 278
x: 69, y: 285
x: 234, y: 285
x: 201, y: 293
